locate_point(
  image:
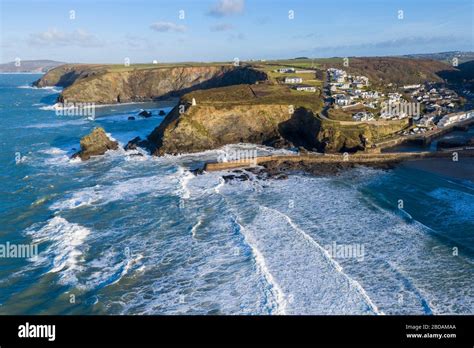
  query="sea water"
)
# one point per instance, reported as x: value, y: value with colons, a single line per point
x: 126, y: 233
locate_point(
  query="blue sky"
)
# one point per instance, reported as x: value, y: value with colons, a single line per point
x: 108, y: 31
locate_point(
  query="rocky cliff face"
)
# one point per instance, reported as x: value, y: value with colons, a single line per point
x: 65, y: 75
x: 102, y: 85
x: 207, y: 127
x: 333, y: 137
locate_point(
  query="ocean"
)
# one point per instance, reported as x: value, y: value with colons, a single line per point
x: 130, y: 234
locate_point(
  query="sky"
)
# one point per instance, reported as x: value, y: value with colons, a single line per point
x: 109, y: 31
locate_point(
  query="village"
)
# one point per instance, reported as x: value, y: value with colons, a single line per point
x: 428, y: 106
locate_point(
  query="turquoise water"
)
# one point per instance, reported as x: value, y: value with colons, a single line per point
x: 128, y: 234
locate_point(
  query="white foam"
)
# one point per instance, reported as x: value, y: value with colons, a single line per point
x: 53, y: 89
x: 185, y: 176
x: 218, y: 187
x: 195, y: 227
x: 65, y: 248
x: 120, y: 190
x: 328, y: 257
x: 460, y: 202
x: 275, y: 289
x: 57, y: 124
x: 53, y: 151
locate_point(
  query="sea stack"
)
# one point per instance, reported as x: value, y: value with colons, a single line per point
x: 94, y: 144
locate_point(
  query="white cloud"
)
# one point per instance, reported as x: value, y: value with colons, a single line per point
x: 227, y: 7
x: 54, y: 37
x: 167, y: 26
x: 222, y: 27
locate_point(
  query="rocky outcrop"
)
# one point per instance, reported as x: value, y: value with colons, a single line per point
x: 144, y: 113
x: 109, y: 85
x: 94, y: 144
x: 335, y: 137
x: 205, y: 127
x: 209, y: 126
x: 135, y: 143
x: 65, y: 75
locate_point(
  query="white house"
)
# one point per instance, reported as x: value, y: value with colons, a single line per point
x: 305, y: 88
x: 342, y: 99
x: 363, y: 116
x: 408, y: 87
x: 293, y: 80
x: 453, y: 118
x: 369, y: 94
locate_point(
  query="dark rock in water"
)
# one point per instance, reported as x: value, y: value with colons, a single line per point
x: 280, y: 176
x: 133, y: 144
x: 162, y: 113
x: 230, y: 177
x: 144, y: 113
x: 131, y: 118
x: 94, y: 144
x: 197, y: 171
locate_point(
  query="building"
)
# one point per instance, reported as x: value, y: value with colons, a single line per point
x: 363, y: 116
x: 305, y: 88
x: 286, y: 70
x: 293, y: 80
x: 369, y: 94
x: 342, y: 99
x: 408, y: 87
x: 453, y: 118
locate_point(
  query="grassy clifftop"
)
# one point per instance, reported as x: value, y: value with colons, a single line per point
x: 242, y: 113
x: 106, y: 84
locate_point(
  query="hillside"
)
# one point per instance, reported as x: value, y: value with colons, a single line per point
x: 463, y: 73
x: 446, y: 57
x: 380, y: 70
x: 104, y: 84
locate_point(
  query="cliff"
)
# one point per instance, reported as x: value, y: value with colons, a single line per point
x: 336, y: 137
x: 209, y: 127
x: 259, y: 114
x: 256, y: 114
x: 103, y: 84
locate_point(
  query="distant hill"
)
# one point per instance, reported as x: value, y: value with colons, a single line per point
x: 30, y: 66
x: 380, y: 70
x: 395, y: 70
x: 444, y: 56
